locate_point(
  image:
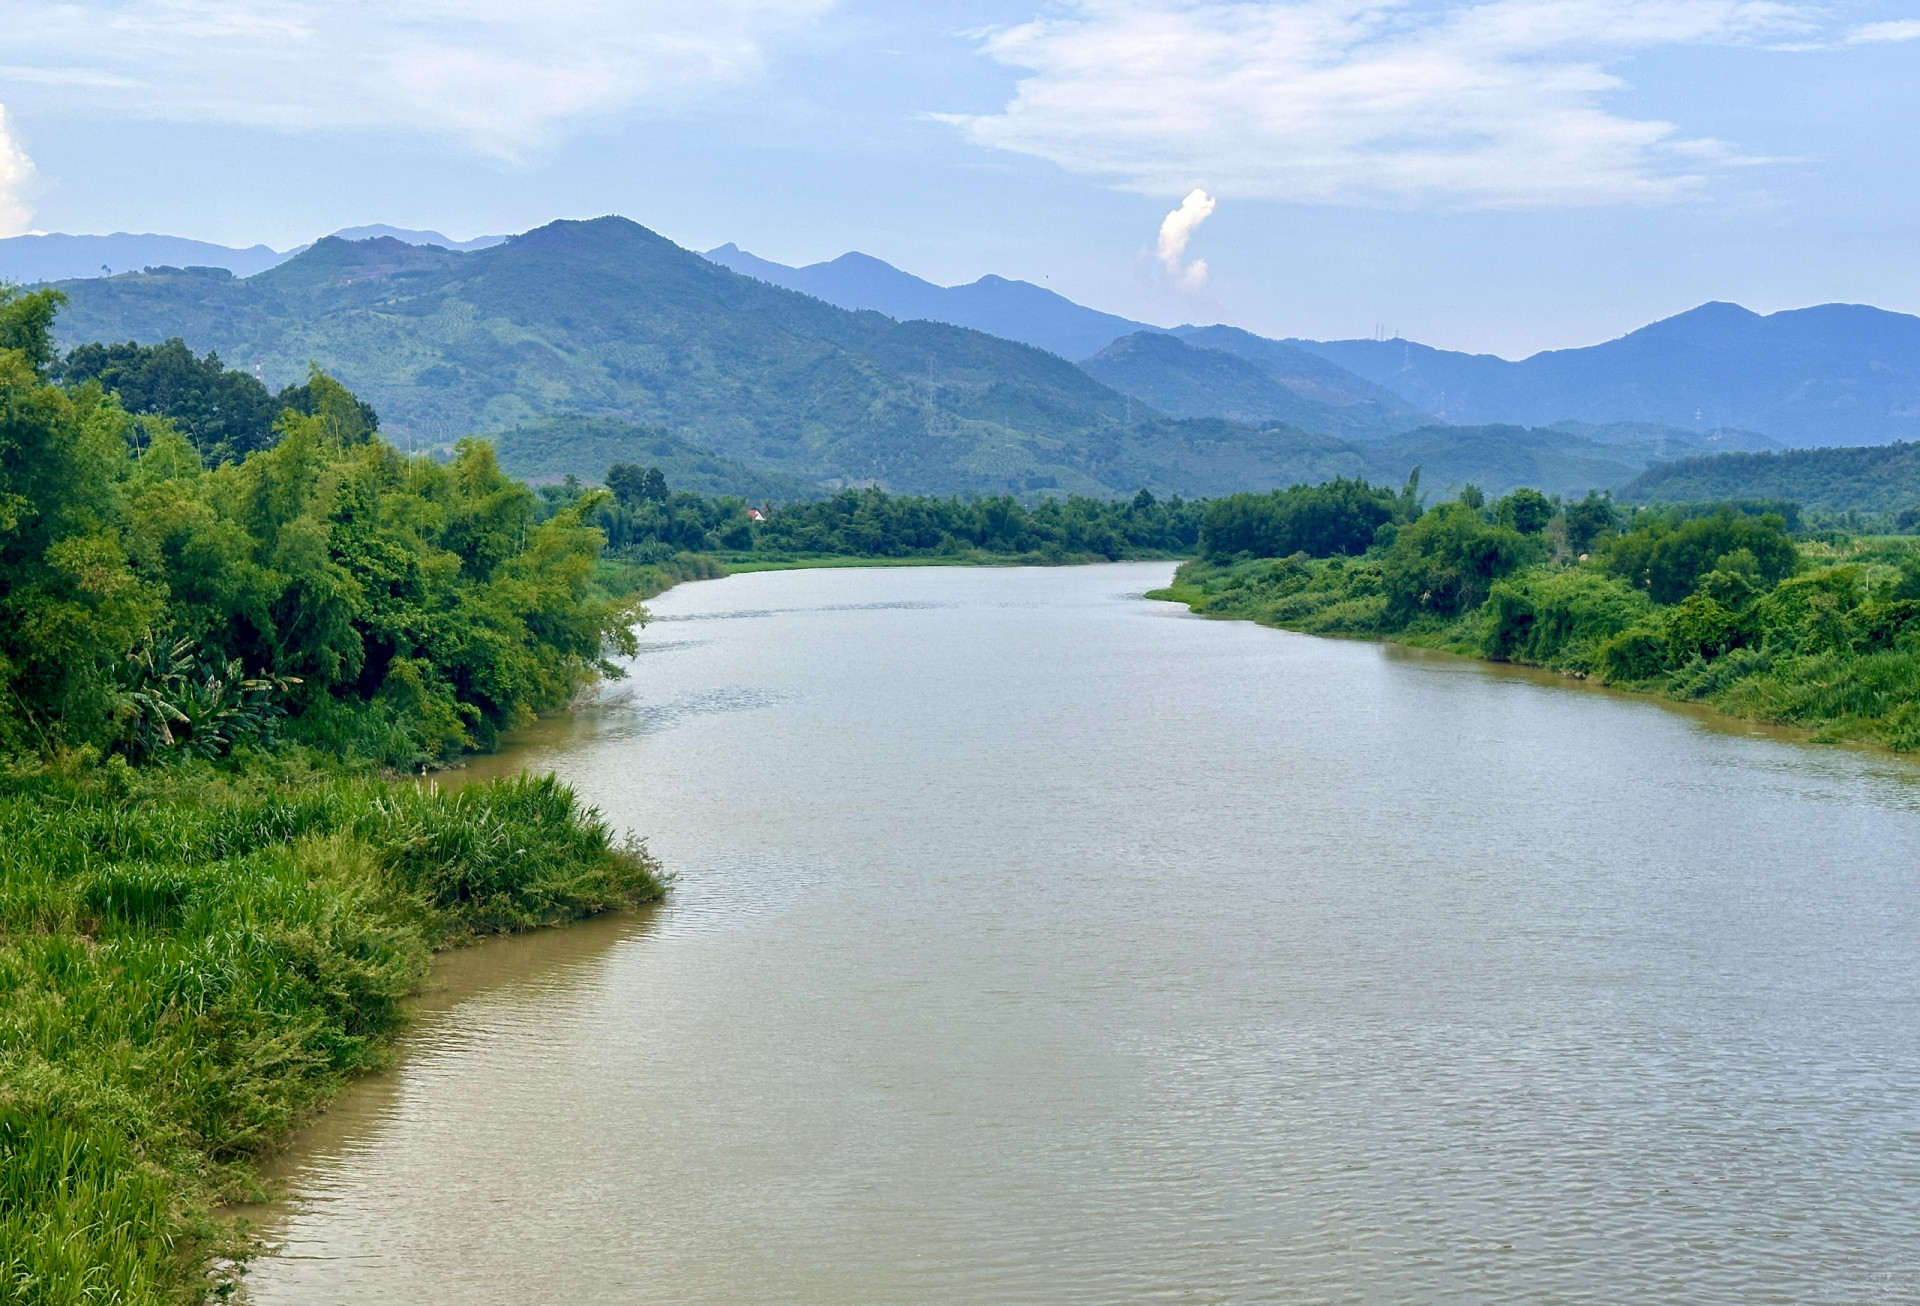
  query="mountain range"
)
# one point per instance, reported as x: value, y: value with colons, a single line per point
x: 581, y: 343
x: 1832, y: 374
x: 57, y: 257
x: 577, y: 340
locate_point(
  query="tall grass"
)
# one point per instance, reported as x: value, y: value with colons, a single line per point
x: 190, y: 959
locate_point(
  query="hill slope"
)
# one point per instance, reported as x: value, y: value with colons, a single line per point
x: 1881, y: 478
x: 1836, y: 374
x: 1012, y: 310
x: 1229, y: 373
x: 607, y: 319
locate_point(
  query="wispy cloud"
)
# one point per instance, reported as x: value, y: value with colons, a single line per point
x: 1902, y: 30
x: 1496, y: 103
x: 504, y: 77
x: 16, y: 171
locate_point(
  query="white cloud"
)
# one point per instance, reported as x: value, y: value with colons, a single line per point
x: 1499, y: 103
x: 505, y: 76
x: 1903, y: 30
x: 16, y: 170
x: 1176, y: 229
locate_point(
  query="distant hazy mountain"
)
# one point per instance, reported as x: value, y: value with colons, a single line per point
x: 1012, y: 310
x: 406, y: 237
x: 1256, y: 381
x: 1836, y: 374
x: 56, y: 257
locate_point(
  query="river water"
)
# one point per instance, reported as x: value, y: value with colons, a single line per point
x: 1037, y: 943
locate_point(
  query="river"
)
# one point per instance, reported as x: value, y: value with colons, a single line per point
x: 1037, y: 943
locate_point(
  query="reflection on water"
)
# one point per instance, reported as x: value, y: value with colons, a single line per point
x: 1035, y: 943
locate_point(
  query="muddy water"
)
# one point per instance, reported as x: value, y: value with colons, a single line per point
x: 1036, y: 943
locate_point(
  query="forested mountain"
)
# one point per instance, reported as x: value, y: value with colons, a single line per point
x: 1835, y: 374
x: 578, y: 339
x: 608, y: 319
x: 1225, y: 372
x: 1013, y: 310
x: 1880, y: 478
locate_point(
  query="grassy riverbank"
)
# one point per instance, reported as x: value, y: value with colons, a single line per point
x: 215, y: 656
x: 192, y: 958
x: 1719, y: 607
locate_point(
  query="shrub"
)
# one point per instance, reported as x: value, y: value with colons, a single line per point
x: 1668, y: 560
x: 1445, y: 563
x: 1558, y: 618
x: 1338, y: 517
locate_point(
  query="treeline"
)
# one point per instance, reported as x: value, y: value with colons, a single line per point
x: 1881, y: 482
x: 1711, y: 602
x: 212, y: 632
x: 646, y: 521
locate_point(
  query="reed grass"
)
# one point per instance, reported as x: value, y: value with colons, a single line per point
x: 192, y: 959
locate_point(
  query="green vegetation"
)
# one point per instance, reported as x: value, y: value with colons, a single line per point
x: 1882, y: 480
x: 572, y: 445
x: 587, y: 343
x: 224, y: 414
x: 192, y: 957
x: 648, y: 523
x: 1720, y: 606
x: 395, y: 609
x: 210, y: 906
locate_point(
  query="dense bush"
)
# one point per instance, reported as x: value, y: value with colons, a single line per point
x: 1719, y: 604
x: 1667, y: 559
x: 1339, y: 516
x: 1445, y: 563
x: 1559, y: 616
x: 392, y: 606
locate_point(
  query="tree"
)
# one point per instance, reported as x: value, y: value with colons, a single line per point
x: 1446, y: 563
x: 1525, y: 510
x: 1668, y: 560
x: 225, y: 414
x: 1338, y: 517
x: 632, y: 486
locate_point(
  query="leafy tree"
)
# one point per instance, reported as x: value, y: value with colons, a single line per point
x: 1668, y: 560
x: 1589, y: 521
x: 633, y: 486
x: 1525, y: 510
x: 149, y: 602
x: 1339, y: 516
x: 225, y: 414
x: 1445, y: 563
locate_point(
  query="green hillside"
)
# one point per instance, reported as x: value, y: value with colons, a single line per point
x: 572, y: 445
x: 607, y: 319
x: 1877, y: 478
x: 578, y: 339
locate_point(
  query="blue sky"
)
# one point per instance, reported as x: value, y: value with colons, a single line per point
x: 1498, y: 175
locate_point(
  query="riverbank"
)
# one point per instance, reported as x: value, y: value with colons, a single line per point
x: 193, y: 959
x: 645, y: 580
x: 1833, y: 650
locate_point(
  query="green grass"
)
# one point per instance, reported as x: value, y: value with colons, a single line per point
x: 192, y: 960
x: 1843, y: 665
